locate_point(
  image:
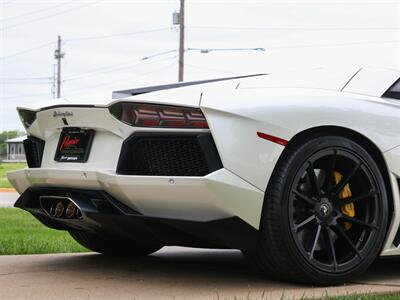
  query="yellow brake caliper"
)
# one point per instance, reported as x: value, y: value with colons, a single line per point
x: 347, y: 209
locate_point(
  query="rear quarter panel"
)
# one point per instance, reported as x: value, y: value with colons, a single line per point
x: 236, y: 116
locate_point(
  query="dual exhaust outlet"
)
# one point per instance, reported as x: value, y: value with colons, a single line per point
x: 60, y: 207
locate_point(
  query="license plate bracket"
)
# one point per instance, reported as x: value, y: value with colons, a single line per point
x: 74, y: 145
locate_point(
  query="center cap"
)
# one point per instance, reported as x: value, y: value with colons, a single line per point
x: 324, y: 209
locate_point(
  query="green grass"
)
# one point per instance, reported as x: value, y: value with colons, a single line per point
x: 5, y: 167
x: 21, y: 233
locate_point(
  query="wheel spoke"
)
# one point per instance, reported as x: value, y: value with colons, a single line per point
x: 305, y: 222
x: 313, y: 180
x: 305, y: 198
x: 354, y: 199
x: 344, y: 235
x: 357, y: 221
x: 345, y: 180
x: 317, y: 234
x: 331, y: 247
x: 331, y: 172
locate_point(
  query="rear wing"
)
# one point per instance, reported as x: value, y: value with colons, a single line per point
x: 144, y: 90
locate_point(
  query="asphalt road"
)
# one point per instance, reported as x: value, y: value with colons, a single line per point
x: 7, y: 199
x: 172, y: 273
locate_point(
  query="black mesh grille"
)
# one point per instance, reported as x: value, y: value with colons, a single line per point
x: 33, y: 151
x: 181, y: 155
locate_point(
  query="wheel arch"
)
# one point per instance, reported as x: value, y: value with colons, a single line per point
x: 362, y: 140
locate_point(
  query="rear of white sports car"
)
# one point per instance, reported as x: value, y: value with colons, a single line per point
x: 136, y: 171
x: 301, y: 176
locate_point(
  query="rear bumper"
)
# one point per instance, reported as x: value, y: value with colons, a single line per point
x: 103, y: 214
x: 219, y: 195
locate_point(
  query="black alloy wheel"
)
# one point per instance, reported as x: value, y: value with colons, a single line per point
x: 325, y: 213
x: 319, y: 224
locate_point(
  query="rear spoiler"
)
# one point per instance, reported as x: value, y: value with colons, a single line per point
x: 144, y: 90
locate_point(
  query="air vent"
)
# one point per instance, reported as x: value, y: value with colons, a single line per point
x: 34, y: 151
x: 169, y: 155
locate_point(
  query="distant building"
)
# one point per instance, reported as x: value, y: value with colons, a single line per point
x: 15, y: 150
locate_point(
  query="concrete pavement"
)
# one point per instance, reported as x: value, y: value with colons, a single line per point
x: 8, y: 198
x: 172, y: 273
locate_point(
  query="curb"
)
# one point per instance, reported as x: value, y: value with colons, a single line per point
x: 7, y: 190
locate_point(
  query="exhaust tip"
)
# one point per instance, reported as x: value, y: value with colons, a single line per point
x: 60, y: 207
x: 70, y: 210
x: 57, y: 209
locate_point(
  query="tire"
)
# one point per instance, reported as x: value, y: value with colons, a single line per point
x: 309, y: 232
x: 113, y: 247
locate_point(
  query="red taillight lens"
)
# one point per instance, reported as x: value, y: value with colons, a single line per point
x: 154, y: 115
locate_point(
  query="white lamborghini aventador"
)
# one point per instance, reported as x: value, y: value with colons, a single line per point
x: 300, y: 171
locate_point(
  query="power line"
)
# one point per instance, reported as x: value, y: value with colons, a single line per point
x: 22, y: 96
x: 295, y: 28
x: 169, y: 28
x: 98, y: 70
x: 319, y: 2
x: 174, y: 50
x: 25, y: 78
x: 50, y: 16
x: 96, y: 37
x: 106, y: 69
x: 113, y: 68
x: 26, y: 82
x: 202, y: 50
x: 159, y: 54
x: 336, y: 44
x: 119, y: 80
x: 207, y: 50
x: 35, y: 11
x: 87, y: 38
x: 27, y: 50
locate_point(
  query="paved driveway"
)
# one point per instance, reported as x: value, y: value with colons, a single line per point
x: 172, y: 273
x: 7, y: 198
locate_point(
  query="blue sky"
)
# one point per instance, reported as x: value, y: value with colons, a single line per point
x: 105, y: 41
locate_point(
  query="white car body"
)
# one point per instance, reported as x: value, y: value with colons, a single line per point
x: 280, y: 105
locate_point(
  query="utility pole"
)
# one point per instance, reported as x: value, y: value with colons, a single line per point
x: 53, y: 85
x: 181, y: 40
x: 58, y: 55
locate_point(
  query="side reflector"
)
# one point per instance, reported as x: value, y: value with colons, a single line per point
x: 272, y: 138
